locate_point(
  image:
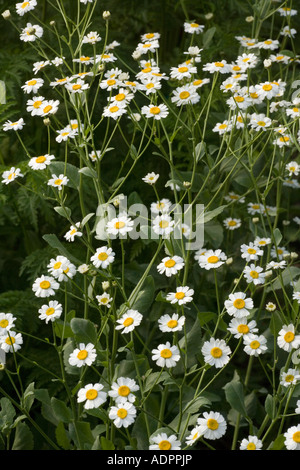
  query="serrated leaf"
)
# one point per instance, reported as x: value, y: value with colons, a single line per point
x: 84, y: 330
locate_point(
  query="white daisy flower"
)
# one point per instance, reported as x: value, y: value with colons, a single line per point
x: 150, y: 85
x: 220, y: 66
x: 293, y: 168
x: 73, y: 232
x: 254, y: 274
x: 267, y: 90
x: 24, y: 7
x: 162, y: 206
x: 287, y: 339
x: 91, y: 38
x: 123, y: 390
x: 34, y: 105
x: 92, y: 396
x: 48, y: 107
x: 279, y: 252
x: 7, y: 322
x: 15, y: 125
x: 60, y: 81
x: 149, y: 46
x: 232, y: 223
x: 149, y: 37
x: 239, y: 305
x: 269, y: 44
x: 240, y: 327
x: 156, y: 112
x: 212, y: 259
x: 276, y: 265
x: 61, y: 268
x: 84, y: 355
x: 170, y: 265
x: 150, y: 178
x: 292, y: 438
x: 10, y: 175
x: 172, y: 322
x: 193, y: 436
x: 183, y: 71
x: 58, y: 181
x: 51, y: 311
x: 114, y: 111
x: 41, y: 162
x: 11, y: 341
x: 77, y: 87
x: 104, y: 299
x: 251, y: 252
x: 289, y: 32
x: 259, y: 122
x: 212, y: 426
x: 31, y: 32
x: 255, y: 344
x: 216, y: 352
x: 123, y: 414
x: 185, y: 95
x: 251, y: 443
x: 193, y: 28
x: 289, y: 377
x: 120, y: 225
x: 182, y: 295
x: 103, y: 257
x: 287, y: 11
x: 262, y: 241
x: 166, y: 355
x: 45, y: 286
x: 33, y: 85
x: 164, y: 442
x: 163, y: 225
x: 129, y: 321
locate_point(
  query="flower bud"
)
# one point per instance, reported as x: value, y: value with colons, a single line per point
x: 106, y: 15
x: 6, y: 14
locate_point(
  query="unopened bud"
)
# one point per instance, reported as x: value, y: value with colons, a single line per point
x: 47, y: 122
x: 6, y: 14
x: 106, y: 15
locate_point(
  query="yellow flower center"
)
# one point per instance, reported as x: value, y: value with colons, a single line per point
x: 197, y: 82
x: 32, y: 82
x: 83, y: 354
x: 120, y: 97
x: 149, y: 86
x: 111, y: 82
x: 50, y: 311
x: 91, y: 394
x: 235, y: 68
x: 149, y: 36
x: 57, y: 265
x: 119, y: 225
x: 268, y: 42
x: 267, y: 87
x: 284, y: 138
x: 122, y: 413
x: 222, y: 126
x: 243, y: 329
x: 239, y: 99
x: 194, y: 25
x: 170, y: 263
x: 45, y: 285
x: 164, y: 224
x: 40, y: 159
x: 216, y: 352
x: 128, y: 321
x: 251, y: 251
x: 3, y: 323
x: 184, y: 95
x: 251, y: 446
x: 296, y: 437
x: 58, y: 181
x: 232, y: 223
x: 102, y: 256
x: 239, y: 303
x: 183, y: 69
x: 164, y: 445
x: 179, y: 295
x: 254, y: 95
x: 254, y: 274
x: 213, y: 259
x: 155, y: 110
x: 114, y: 109
x: 124, y: 391
x: 254, y: 344
x: 77, y: 86
x: 261, y: 123
x: 296, y: 110
x: 25, y: 4
x: 172, y: 323
x: 37, y: 104
x: 47, y: 108
x: 212, y: 424
x: 219, y: 64
x: 166, y: 353
x: 289, y: 378
x: 289, y: 337
x: 10, y: 340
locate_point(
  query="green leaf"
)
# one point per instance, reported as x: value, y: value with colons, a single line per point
x: 28, y: 397
x: 7, y: 414
x: 23, y: 438
x: 277, y: 236
x: 145, y: 296
x: 106, y: 444
x: 207, y: 36
x: 61, y: 436
x: 269, y: 406
x: 84, y: 330
x: 155, y: 378
x: 61, y: 411
x: 63, y: 211
x: 54, y: 242
x: 234, y: 393
x: 68, y: 170
x: 81, y: 435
